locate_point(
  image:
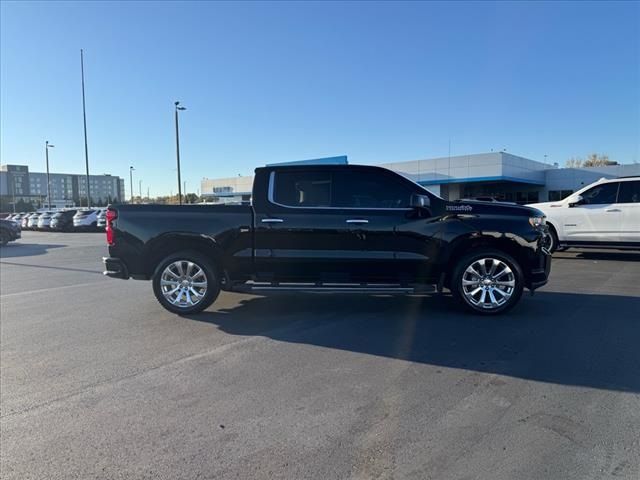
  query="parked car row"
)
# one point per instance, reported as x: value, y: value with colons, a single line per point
x: 66, y: 220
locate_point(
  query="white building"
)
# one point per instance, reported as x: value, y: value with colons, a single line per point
x: 499, y: 175
x: 16, y: 181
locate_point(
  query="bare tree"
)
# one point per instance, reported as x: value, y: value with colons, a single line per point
x: 596, y: 160
x: 592, y: 160
x: 573, y: 162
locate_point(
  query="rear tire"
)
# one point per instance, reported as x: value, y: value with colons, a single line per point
x: 487, y: 281
x: 186, y: 282
x: 4, y: 239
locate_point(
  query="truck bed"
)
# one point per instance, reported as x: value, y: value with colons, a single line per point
x: 142, y: 232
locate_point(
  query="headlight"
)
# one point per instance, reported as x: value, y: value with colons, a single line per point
x: 537, y: 222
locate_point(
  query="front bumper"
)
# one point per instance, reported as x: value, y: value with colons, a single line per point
x: 539, y: 275
x: 115, y: 268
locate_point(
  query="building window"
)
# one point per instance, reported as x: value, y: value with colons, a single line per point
x: 556, y: 195
x: 526, y: 197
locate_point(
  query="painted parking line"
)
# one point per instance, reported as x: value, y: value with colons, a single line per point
x: 53, y: 289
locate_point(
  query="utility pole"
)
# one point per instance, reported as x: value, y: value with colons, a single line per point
x: 131, y: 169
x: 47, y: 146
x: 140, y: 189
x: 178, y: 108
x: 14, y: 194
x: 185, y: 191
x: 84, y: 119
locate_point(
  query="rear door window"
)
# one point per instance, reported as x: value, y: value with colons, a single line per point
x: 629, y: 192
x: 303, y: 188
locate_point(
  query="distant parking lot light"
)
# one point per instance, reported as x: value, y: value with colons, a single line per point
x: 47, y: 146
x: 178, y: 108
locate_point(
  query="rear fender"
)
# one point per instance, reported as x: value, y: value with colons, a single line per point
x: 172, y: 242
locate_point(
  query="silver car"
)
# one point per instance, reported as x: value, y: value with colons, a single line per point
x: 32, y: 223
x: 44, y: 220
x: 101, y: 219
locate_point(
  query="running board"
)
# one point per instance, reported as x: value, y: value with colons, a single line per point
x: 370, y: 288
x: 603, y: 246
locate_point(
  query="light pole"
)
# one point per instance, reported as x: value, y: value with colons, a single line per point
x: 131, y: 169
x: 84, y: 120
x: 47, y: 146
x: 178, y: 108
x: 140, y: 189
x: 14, y: 194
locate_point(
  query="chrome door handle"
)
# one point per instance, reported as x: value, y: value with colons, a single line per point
x: 612, y: 210
x: 272, y: 220
x: 357, y: 220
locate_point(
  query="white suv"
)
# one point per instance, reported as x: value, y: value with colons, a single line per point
x: 85, y: 219
x: 605, y: 214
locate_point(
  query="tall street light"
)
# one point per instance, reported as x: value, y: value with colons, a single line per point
x: 178, y: 108
x: 84, y: 120
x: 131, y: 169
x: 47, y: 146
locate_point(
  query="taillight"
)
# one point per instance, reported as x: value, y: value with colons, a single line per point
x: 111, y: 216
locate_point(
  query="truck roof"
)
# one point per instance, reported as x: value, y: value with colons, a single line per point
x: 317, y: 166
x: 340, y: 160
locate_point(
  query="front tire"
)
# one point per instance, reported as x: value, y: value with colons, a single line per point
x: 554, y: 241
x: 488, y: 281
x: 186, y: 282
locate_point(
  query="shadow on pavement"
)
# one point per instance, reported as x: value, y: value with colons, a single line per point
x: 564, y: 338
x: 19, y: 249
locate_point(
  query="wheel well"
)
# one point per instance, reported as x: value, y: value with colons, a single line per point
x: 169, y: 245
x: 503, y: 244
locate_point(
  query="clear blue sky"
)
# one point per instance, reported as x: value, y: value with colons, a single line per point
x: 267, y: 82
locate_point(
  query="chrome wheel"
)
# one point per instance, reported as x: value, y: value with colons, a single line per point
x: 488, y: 283
x: 183, y: 283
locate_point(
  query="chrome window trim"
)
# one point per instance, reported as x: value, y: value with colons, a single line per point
x: 270, y: 198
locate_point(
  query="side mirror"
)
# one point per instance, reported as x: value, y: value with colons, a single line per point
x: 574, y: 200
x: 419, y: 201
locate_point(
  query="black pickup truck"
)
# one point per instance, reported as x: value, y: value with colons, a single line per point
x: 331, y: 228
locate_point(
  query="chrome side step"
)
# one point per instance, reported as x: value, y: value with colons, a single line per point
x: 370, y: 288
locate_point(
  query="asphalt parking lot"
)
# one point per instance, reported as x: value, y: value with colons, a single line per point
x: 98, y: 381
